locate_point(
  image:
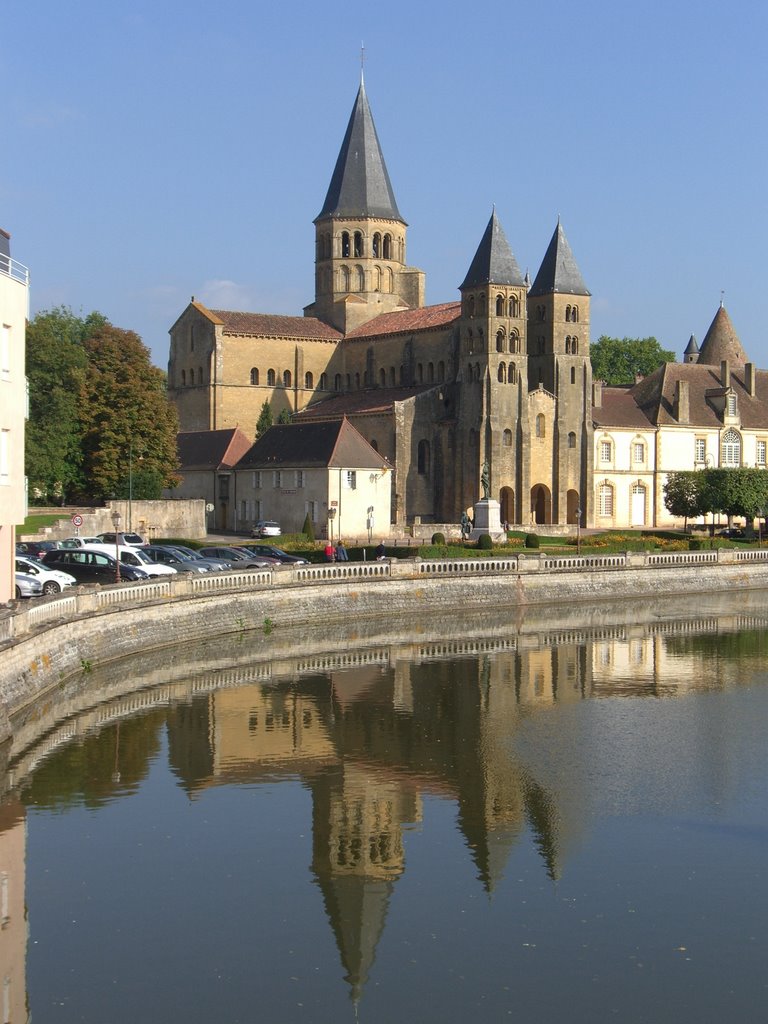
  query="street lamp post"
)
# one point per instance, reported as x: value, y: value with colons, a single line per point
x: 130, y: 486
x: 578, y: 532
x: 116, y: 523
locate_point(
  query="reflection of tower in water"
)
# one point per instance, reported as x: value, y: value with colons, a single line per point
x: 13, y: 922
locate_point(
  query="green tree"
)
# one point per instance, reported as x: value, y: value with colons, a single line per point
x: 684, y: 494
x: 56, y: 362
x: 265, y: 420
x: 124, y: 409
x: 285, y: 416
x: 621, y: 360
x: 736, y: 492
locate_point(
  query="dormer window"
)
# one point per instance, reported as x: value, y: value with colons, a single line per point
x: 730, y: 404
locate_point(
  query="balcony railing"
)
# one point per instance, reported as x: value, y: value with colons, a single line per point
x: 13, y: 269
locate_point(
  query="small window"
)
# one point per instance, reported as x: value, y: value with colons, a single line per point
x: 345, y: 245
x: 502, y: 373
x: 541, y: 427
x: 606, y: 450
x: 441, y: 371
x: 224, y: 488
x: 358, y: 241
x: 760, y: 453
x: 700, y: 450
x: 382, y: 378
x: 573, y: 375
x: 323, y: 381
x: 499, y: 341
x: 191, y: 376
x: 299, y: 477
x: 277, y: 478
x: 287, y: 379
x: 512, y: 374
x: 337, y: 382
x: 183, y: 378
x: 349, y: 479
x: 731, y: 405
x: 499, y: 305
x: 506, y: 438
x: 387, y: 247
x: 571, y: 440
x: 257, y: 479
x: 605, y: 500
x: 254, y: 376
x: 514, y: 306
x: 376, y: 245
x: 471, y: 305
x: 270, y: 378
x: 309, y: 381
x: 638, y: 452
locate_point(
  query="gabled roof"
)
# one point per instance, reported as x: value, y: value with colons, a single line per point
x: 273, y: 326
x: 361, y: 403
x: 404, y: 321
x: 721, y: 342
x: 493, y: 262
x: 335, y: 444
x: 558, y: 271
x: 360, y: 185
x: 211, y: 449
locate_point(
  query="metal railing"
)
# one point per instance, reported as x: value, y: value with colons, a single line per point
x: 13, y: 269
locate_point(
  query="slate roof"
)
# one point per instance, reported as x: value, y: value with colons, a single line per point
x: 271, y: 325
x: 721, y: 342
x: 559, y: 271
x: 335, y: 444
x: 211, y: 449
x: 404, y: 321
x: 651, y: 402
x: 370, y: 402
x: 692, y: 348
x: 360, y: 185
x: 493, y: 262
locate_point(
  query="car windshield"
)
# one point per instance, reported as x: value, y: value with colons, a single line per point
x: 142, y: 556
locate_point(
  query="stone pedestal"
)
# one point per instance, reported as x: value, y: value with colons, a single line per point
x: 487, y: 518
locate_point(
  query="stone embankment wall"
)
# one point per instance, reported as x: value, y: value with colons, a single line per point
x: 47, y: 642
x: 173, y: 518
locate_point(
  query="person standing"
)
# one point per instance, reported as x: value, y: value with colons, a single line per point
x: 341, y: 552
x: 329, y: 552
x: 381, y: 552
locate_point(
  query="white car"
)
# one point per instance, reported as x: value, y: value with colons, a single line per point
x: 27, y: 586
x: 131, y: 540
x: 141, y: 560
x: 52, y: 581
x: 266, y: 528
x: 78, y: 542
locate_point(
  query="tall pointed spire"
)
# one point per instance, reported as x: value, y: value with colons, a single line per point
x: 360, y: 185
x: 494, y: 262
x: 559, y: 271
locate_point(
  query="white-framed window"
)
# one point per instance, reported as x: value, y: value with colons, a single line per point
x: 730, y: 405
x: 760, y: 452
x: 277, y: 478
x: 730, y: 448
x: 606, y: 451
x: 638, y: 452
x: 700, y: 449
x: 349, y: 479
x: 299, y: 477
x: 256, y: 479
x: 5, y: 350
x: 605, y: 500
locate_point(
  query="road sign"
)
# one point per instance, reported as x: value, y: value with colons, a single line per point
x: 77, y: 520
x: 209, y: 507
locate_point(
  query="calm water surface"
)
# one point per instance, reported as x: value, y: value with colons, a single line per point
x: 561, y: 827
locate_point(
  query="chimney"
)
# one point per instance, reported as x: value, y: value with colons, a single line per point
x: 682, y: 405
x: 597, y: 394
x: 749, y: 379
x: 725, y: 374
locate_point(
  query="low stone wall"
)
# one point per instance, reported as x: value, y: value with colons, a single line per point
x: 45, y: 643
x: 173, y: 518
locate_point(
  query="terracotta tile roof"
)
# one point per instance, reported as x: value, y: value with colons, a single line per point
x: 271, y: 325
x: 310, y: 445
x: 372, y: 401
x: 211, y: 449
x: 652, y: 400
x: 403, y: 321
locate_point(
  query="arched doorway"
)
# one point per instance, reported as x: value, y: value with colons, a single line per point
x: 573, y: 506
x: 541, y: 504
x: 507, y: 505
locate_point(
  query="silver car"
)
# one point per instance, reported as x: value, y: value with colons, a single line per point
x: 27, y: 586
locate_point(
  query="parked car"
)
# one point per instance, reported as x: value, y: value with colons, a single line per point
x: 53, y: 581
x: 250, y: 553
x: 272, y: 552
x: 131, y: 540
x: 78, y: 542
x: 35, y: 548
x: 238, y: 559
x: 266, y: 528
x: 216, y: 564
x: 176, y: 559
x: 139, y: 557
x: 28, y: 586
x: 91, y: 566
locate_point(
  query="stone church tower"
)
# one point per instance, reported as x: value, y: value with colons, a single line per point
x: 360, y: 268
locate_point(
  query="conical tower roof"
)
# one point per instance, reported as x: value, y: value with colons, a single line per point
x: 559, y: 271
x: 360, y: 185
x: 494, y: 262
x: 721, y: 342
x: 692, y: 348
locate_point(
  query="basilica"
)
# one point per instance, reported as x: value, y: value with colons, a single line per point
x: 497, y: 383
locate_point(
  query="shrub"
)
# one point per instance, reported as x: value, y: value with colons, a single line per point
x: 307, y: 529
x: 694, y: 544
x: 531, y: 540
x: 485, y: 542
x: 438, y: 538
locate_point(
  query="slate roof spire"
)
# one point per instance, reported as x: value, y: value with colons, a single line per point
x: 494, y: 262
x: 559, y: 271
x: 360, y: 185
x: 721, y: 342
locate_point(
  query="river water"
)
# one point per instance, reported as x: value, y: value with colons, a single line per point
x: 511, y: 818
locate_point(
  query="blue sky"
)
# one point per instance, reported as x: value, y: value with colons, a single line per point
x: 165, y: 149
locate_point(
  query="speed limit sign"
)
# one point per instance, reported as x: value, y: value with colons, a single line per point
x: 77, y: 521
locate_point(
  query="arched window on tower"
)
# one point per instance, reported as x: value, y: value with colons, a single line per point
x: 514, y: 306
x: 357, y: 381
x: 469, y: 372
x: 337, y: 382
x: 309, y: 381
x: 441, y: 371
x: 358, y: 242
x: 254, y: 376
x: 514, y: 341
x: 359, y: 279
x: 571, y: 440
x: 287, y: 379
x: 200, y: 375
x: 506, y: 438
x: 499, y: 305
x: 420, y: 373
x: 574, y: 346
x: 183, y: 378
x: 402, y: 373
x: 573, y: 375
x: 377, y: 279
x: 390, y: 279
x: 502, y: 373
x: 423, y: 458
x: 191, y: 376
x: 430, y: 373
x: 343, y: 279
x: 541, y: 425
x: 471, y: 305
x: 376, y: 244
x: 270, y: 378
x: 481, y: 305
x: 392, y: 376
x: 567, y: 314
x: 345, y: 250
x: 348, y: 383
x: 512, y: 374
x: 387, y: 250
x: 575, y: 314
x: 500, y: 340
x: 323, y: 383
x: 382, y: 378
